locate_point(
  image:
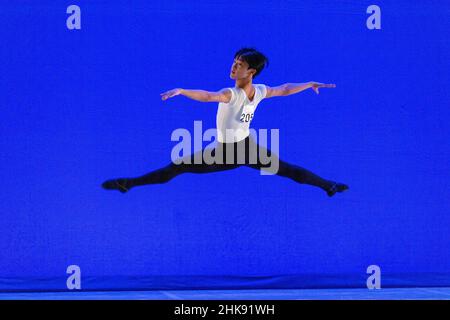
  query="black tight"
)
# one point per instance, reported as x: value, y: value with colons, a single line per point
x: 256, y: 157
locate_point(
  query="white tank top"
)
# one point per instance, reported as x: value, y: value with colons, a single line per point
x: 233, y: 118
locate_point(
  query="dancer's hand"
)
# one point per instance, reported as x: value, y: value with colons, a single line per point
x: 171, y: 93
x: 316, y: 85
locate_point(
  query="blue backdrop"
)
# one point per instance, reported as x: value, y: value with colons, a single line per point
x: 82, y: 106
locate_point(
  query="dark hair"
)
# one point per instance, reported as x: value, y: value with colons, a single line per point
x: 255, y: 59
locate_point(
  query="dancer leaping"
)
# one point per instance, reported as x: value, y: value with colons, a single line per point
x: 235, y: 112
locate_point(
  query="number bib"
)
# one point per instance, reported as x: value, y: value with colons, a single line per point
x: 247, y: 113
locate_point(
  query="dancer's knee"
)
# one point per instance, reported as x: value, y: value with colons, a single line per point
x: 169, y: 172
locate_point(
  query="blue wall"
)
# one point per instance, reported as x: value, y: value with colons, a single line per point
x: 82, y: 106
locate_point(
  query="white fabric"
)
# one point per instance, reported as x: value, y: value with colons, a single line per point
x: 233, y: 118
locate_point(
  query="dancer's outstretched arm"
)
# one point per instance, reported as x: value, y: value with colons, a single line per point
x: 291, y: 88
x: 223, y: 95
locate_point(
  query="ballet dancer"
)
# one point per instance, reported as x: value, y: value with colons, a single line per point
x: 235, y: 112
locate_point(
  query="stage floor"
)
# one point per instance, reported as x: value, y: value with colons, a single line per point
x: 270, y: 294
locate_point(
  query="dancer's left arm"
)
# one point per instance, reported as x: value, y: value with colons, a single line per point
x: 291, y: 88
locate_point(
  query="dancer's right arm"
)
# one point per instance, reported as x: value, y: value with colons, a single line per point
x: 223, y: 95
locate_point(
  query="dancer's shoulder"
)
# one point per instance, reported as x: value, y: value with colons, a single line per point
x: 262, y: 88
x: 235, y: 94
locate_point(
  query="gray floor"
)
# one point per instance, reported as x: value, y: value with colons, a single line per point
x: 311, y: 294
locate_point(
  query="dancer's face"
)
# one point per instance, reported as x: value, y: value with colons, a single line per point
x: 240, y: 70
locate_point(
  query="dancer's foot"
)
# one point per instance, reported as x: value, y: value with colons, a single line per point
x: 120, y: 184
x: 336, y: 187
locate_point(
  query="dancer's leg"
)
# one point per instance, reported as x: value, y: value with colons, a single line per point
x: 294, y: 172
x: 170, y: 171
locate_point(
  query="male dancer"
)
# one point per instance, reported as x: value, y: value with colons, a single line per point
x: 235, y: 112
